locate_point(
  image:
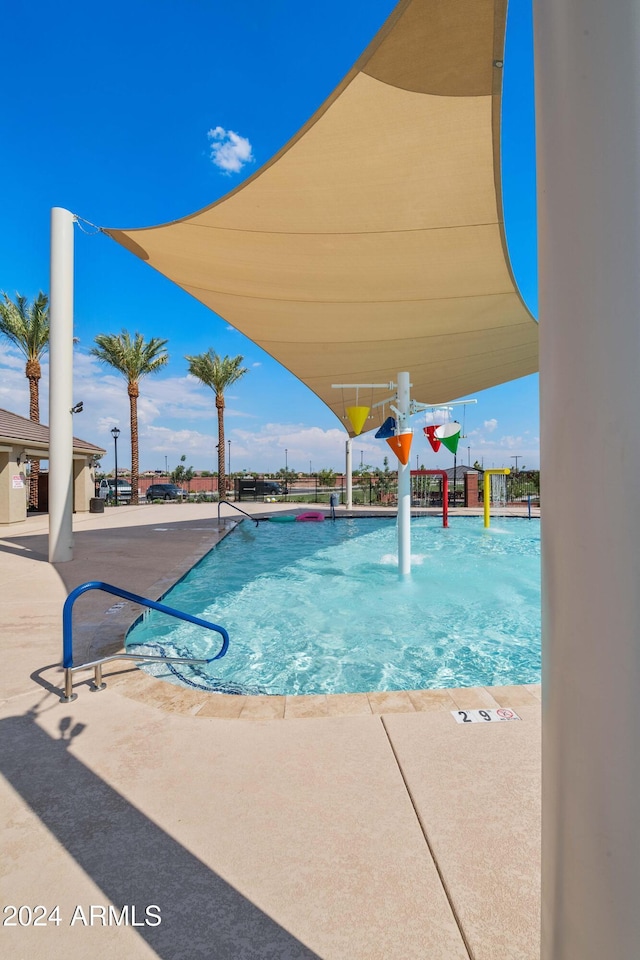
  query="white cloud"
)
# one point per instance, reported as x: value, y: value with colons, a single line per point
x: 14, y: 386
x: 163, y: 440
x: 258, y: 363
x: 490, y: 425
x: 11, y: 357
x: 264, y: 449
x: 229, y: 151
x: 441, y: 415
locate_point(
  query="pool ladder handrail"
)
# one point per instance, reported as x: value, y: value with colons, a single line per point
x: 256, y: 520
x: 98, y: 684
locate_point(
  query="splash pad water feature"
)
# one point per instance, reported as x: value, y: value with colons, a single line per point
x: 398, y: 434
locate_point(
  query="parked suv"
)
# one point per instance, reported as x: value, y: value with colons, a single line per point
x: 164, y: 491
x: 107, y: 490
x: 270, y: 486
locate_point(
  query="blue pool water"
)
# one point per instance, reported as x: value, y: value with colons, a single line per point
x: 320, y: 608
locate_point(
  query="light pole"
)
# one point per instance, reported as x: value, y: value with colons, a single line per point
x: 519, y: 457
x: 469, y: 457
x: 361, y: 460
x: 286, y: 471
x: 229, y: 467
x: 115, y: 433
x: 166, y: 466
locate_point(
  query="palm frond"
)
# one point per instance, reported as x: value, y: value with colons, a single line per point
x: 26, y: 325
x: 132, y: 357
x: 215, y: 371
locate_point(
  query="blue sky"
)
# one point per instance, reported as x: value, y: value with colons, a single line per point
x: 131, y: 114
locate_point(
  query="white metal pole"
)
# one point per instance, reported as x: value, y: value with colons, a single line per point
x: 349, y: 472
x: 404, y: 481
x: 61, y: 387
x: 588, y: 131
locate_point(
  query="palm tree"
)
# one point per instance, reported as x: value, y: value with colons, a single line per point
x: 218, y: 373
x: 27, y: 326
x: 134, y: 359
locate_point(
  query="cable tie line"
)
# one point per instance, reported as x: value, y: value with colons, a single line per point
x: 80, y: 220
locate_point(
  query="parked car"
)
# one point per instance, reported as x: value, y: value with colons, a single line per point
x: 107, y: 490
x: 165, y: 491
x: 271, y: 486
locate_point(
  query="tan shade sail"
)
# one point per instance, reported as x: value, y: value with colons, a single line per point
x: 373, y: 242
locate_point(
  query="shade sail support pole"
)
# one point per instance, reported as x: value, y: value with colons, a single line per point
x: 587, y: 55
x: 349, y: 472
x: 61, y: 387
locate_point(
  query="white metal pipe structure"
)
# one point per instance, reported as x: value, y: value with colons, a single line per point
x: 404, y: 481
x: 349, y: 473
x: 588, y: 130
x: 61, y: 387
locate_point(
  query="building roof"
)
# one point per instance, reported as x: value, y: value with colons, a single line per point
x: 373, y: 242
x: 14, y: 427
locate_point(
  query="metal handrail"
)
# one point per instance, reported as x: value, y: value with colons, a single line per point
x: 67, y: 636
x: 256, y: 520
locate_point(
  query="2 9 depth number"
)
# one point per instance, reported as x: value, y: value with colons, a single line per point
x: 482, y: 716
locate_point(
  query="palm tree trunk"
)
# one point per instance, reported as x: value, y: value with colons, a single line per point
x: 134, y: 393
x: 222, y: 480
x: 34, y: 414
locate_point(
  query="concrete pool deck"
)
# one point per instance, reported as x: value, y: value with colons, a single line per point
x: 368, y: 826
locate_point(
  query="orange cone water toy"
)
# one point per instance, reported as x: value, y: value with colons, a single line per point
x: 401, y: 445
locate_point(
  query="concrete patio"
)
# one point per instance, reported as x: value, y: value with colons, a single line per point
x: 341, y: 827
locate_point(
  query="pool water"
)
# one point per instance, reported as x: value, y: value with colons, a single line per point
x: 320, y: 608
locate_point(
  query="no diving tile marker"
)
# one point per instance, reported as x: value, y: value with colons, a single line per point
x: 484, y: 716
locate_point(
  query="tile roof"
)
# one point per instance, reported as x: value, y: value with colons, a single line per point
x: 14, y: 427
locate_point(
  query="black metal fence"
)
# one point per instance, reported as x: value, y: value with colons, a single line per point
x: 382, y: 489
x: 519, y: 486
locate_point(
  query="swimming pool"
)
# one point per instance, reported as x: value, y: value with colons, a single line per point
x: 320, y: 608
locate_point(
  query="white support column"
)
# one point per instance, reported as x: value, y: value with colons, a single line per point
x: 349, y: 473
x: 588, y: 129
x: 404, y: 481
x: 61, y: 387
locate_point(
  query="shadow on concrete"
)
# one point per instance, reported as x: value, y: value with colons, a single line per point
x: 32, y: 547
x: 131, y: 859
x: 85, y: 680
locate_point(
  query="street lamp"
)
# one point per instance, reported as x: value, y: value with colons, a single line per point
x: 286, y: 471
x: 166, y: 465
x: 519, y: 457
x: 115, y: 433
x: 229, y: 468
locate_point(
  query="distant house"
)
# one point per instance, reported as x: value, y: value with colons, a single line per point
x: 22, y: 440
x: 460, y: 471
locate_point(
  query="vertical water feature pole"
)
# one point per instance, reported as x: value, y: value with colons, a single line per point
x: 349, y: 473
x: 61, y: 387
x: 487, y: 491
x: 404, y: 481
x: 587, y: 55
